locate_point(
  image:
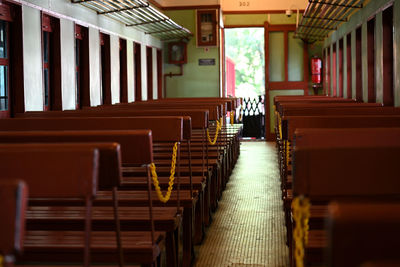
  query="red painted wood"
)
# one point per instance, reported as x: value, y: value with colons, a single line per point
x: 359, y: 95
x: 334, y: 71
x: 328, y: 71
x: 160, y: 93
x: 105, y: 68
x: 348, y: 67
x: 388, y: 89
x: 82, y: 71
x: 149, y: 68
x: 16, y: 84
x: 138, y: 71
x: 371, y: 61
x: 340, y: 74
x: 123, y: 71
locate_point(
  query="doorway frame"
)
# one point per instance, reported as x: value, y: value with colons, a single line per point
x: 286, y: 84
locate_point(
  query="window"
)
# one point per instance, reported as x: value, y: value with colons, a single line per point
x: 51, y: 62
x: 11, y: 61
x: 123, y: 78
x: 105, y: 68
x: 138, y: 71
x: 359, y: 95
x: 348, y: 67
x: 371, y: 60
x: 388, y: 89
x: 159, y: 74
x: 82, y: 67
x: 4, y: 70
x: 149, y: 65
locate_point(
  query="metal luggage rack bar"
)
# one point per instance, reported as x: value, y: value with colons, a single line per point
x: 322, y: 17
x: 139, y: 14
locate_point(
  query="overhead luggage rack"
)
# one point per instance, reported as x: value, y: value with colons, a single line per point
x: 323, y: 16
x: 139, y: 14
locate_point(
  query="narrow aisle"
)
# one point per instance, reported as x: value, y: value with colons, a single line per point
x: 248, y: 228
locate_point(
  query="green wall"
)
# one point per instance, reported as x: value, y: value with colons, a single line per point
x: 258, y: 19
x: 197, y: 81
x: 274, y: 93
x: 360, y: 19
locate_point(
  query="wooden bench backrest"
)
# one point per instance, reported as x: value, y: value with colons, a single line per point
x: 282, y: 107
x: 280, y: 98
x: 136, y: 145
x: 349, y: 167
x: 69, y: 172
x: 110, y: 163
x: 13, y: 203
x: 318, y: 101
x: 214, y: 115
x: 86, y: 114
x: 291, y: 123
x: 163, y: 128
x: 369, y: 230
x: 337, y: 111
x: 227, y: 103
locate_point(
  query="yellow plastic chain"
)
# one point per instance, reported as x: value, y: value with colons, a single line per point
x: 301, y: 215
x: 232, y: 117
x: 287, y: 152
x: 280, y: 128
x: 1, y: 260
x: 156, y: 183
x: 240, y: 113
x: 216, y: 134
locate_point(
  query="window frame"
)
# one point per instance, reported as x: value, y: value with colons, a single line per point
x: 123, y: 72
x: 82, y: 86
x: 52, y: 94
x: 149, y: 72
x: 137, y: 58
x: 6, y: 62
x: 371, y: 60
x: 105, y: 68
x: 388, y: 59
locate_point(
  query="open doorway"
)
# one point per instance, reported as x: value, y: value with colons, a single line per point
x: 245, y: 75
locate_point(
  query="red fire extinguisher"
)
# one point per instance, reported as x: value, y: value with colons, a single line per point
x: 316, y: 71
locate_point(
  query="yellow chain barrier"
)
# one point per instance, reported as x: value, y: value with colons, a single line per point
x: 301, y: 215
x: 240, y: 114
x: 216, y: 134
x: 280, y: 128
x: 156, y: 183
x: 1, y: 260
x: 232, y: 117
x: 287, y: 152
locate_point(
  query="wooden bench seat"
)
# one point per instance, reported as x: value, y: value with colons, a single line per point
x: 137, y: 218
x: 76, y: 170
x: 159, y: 126
x: 291, y: 123
x: 365, y: 168
x: 133, y: 198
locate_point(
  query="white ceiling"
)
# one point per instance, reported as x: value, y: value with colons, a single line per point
x: 240, y: 5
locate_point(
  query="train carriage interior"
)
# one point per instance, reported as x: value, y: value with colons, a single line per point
x: 213, y: 133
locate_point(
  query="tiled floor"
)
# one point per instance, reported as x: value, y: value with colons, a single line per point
x: 248, y: 228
